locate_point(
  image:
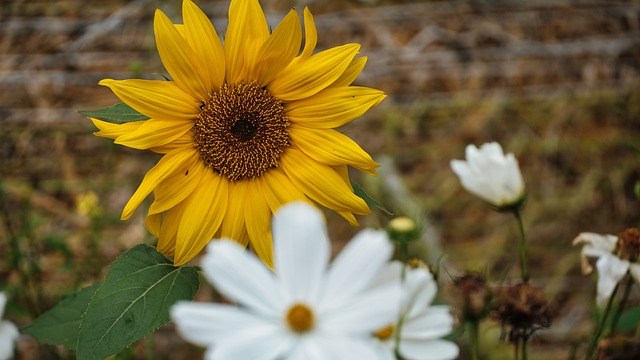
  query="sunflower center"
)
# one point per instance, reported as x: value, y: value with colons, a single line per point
x: 300, y: 318
x: 241, y: 131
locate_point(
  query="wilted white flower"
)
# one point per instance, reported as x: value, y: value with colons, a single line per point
x: 421, y: 325
x: 615, y: 259
x: 8, y: 333
x: 491, y: 175
x: 303, y: 310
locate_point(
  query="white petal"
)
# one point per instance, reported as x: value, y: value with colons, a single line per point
x: 490, y: 175
x: 604, y: 242
x: 391, y: 272
x: 8, y: 336
x: 356, y: 267
x: 419, y: 290
x: 302, y: 250
x: 206, y: 324
x: 610, y: 272
x: 241, y: 277
x: 385, y: 350
x: 429, y: 350
x: 245, y: 346
x: 3, y: 303
x: 434, y: 323
x: 364, y: 314
x: 322, y: 346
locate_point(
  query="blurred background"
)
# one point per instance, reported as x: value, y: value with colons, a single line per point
x: 556, y: 82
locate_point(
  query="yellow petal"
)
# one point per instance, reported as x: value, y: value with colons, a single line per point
x: 155, y: 99
x: 333, y: 107
x: 343, y: 172
x: 202, y: 37
x: 308, y: 77
x: 169, y: 229
x: 175, y: 188
x: 332, y: 148
x: 233, y: 225
x: 310, y: 35
x: 154, y: 133
x: 180, y: 60
x: 278, y: 189
x: 184, y: 141
x: 112, y: 131
x: 153, y: 222
x: 353, y: 70
x: 246, y: 32
x: 258, y: 219
x: 203, y: 214
x: 278, y: 51
x: 321, y: 183
x: 168, y: 165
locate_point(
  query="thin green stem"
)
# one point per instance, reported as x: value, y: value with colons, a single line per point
x: 525, y: 353
x: 598, y: 332
x: 524, y: 269
x: 473, y: 338
x: 621, y: 304
x: 404, y: 254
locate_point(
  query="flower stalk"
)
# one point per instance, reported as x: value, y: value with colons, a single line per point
x: 621, y: 304
x: 522, y: 247
x: 603, y: 321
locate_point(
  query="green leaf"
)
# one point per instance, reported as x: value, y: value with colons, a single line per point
x: 629, y: 320
x: 133, y: 301
x: 117, y: 114
x: 60, y: 324
x: 359, y: 191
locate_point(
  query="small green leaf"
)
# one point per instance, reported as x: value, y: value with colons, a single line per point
x: 117, y: 114
x: 359, y: 191
x: 133, y: 301
x: 60, y: 324
x: 629, y: 320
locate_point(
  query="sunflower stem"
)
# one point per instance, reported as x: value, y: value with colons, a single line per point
x: 621, y: 304
x: 524, y: 269
x: 598, y: 332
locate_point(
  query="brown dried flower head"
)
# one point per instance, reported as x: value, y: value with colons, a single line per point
x: 474, y: 295
x: 628, y: 244
x: 521, y: 309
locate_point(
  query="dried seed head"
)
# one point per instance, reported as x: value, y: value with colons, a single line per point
x: 521, y: 309
x: 629, y: 244
x: 473, y: 296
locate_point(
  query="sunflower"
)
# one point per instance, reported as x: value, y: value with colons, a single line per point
x: 244, y: 127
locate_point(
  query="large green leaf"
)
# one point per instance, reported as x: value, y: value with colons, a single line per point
x: 133, y: 301
x: 60, y: 324
x: 359, y: 191
x: 117, y: 114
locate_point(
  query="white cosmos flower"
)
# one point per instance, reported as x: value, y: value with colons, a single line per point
x: 8, y: 332
x: 305, y: 309
x: 491, y: 175
x: 611, y: 269
x: 423, y: 325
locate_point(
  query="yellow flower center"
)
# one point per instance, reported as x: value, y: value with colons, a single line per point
x: 300, y: 318
x: 385, y: 333
x: 241, y: 131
